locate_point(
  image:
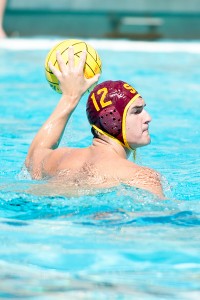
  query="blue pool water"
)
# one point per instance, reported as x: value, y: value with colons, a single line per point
x: 121, y: 244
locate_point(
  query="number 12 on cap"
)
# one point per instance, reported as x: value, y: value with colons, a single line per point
x: 102, y: 103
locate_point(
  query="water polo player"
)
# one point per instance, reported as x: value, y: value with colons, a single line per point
x: 119, y: 123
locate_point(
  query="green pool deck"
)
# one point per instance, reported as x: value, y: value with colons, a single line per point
x: 144, y: 19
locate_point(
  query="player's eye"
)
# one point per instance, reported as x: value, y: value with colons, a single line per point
x: 137, y: 111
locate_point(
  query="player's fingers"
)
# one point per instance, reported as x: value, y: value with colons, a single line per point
x: 55, y: 71
x: 82, y: 61
x: 71, y: 58
x: 61, y: 62
x: 93, y: 80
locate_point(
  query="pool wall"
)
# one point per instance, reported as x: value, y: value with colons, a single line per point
x: 145, y: 19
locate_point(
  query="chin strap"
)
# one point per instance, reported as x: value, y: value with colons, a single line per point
x: 134, y: 154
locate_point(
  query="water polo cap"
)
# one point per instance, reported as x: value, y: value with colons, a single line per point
x: 107, y: 107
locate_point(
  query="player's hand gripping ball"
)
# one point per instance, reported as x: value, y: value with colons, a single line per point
x: 92, y: 65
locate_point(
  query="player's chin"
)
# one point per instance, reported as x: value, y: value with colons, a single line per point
x: 148, y: 139
x: 145, y: 141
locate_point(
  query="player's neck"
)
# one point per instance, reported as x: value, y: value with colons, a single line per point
x: 111, y: 145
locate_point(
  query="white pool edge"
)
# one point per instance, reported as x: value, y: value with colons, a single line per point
x: 17, y: 44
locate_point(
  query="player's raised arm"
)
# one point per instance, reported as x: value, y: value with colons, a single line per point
x: 73, y: 85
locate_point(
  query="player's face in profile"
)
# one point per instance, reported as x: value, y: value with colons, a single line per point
x: 137, y: 124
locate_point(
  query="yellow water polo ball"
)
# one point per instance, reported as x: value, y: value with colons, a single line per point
x: 92, y: 66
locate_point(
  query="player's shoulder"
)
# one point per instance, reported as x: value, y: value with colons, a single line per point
x: 53, y: 159
x: 131, y: 169
x: 144, y: 178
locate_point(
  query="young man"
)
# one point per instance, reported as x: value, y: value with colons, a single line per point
x: 119, y: 124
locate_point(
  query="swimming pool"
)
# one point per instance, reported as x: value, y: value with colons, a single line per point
x: 122, y: 244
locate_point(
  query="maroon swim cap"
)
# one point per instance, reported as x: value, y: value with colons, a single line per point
x: 107, y: 108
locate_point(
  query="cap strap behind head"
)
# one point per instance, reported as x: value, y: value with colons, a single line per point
x: 107, y: 134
